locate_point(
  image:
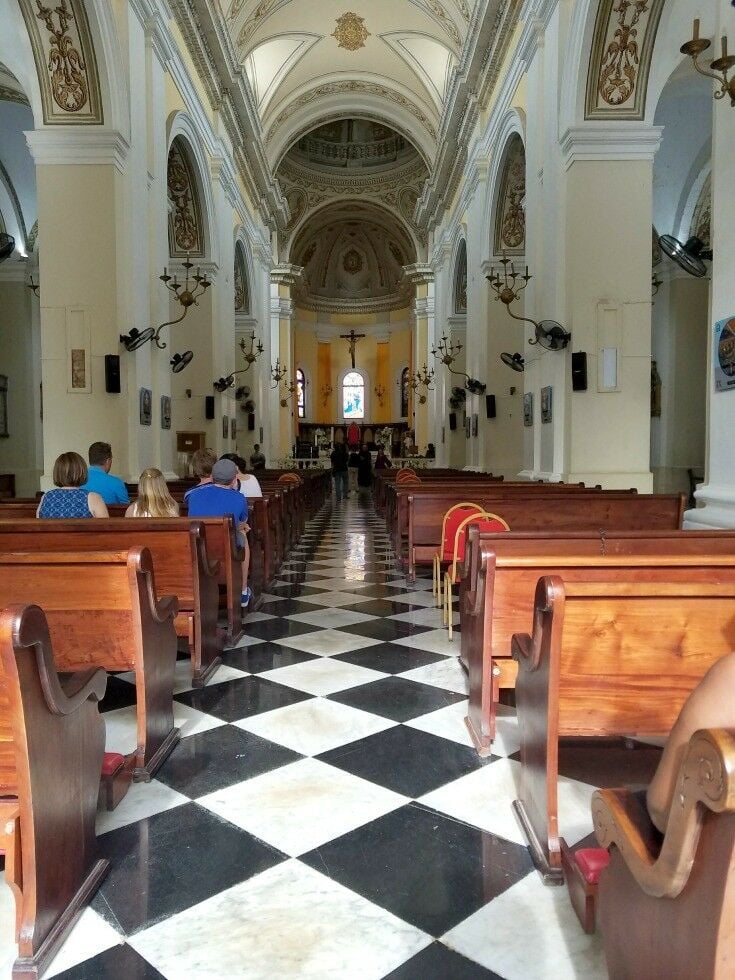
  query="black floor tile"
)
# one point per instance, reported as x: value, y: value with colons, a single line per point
x: 382, y: 607
x: 425, y: 868
x: 267, y: 656
x: 398, y: 698
x: 386, y: 629
x: 168, y: 862
x: 284, y: 607
x: 436, y: 962
x: 390, y: 759
x: 384, y: 591
x: 277, y: 629
x: 213, y: 760
x: 118, y: 694
x: 241, y: 698
x: 390, y: 658
x: 291, y: 591
x: 114, y: 964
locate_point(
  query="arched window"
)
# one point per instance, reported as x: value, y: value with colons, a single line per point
x: 404, y: 393
x: 353, y: 396
x: 300, y: 392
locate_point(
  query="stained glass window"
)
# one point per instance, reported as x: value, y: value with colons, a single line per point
x: 404, y: 393
x: 353, y: 396
x: 300, y: 392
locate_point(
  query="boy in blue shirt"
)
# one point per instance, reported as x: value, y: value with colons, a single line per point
x: 100, y: 480
x: 220, y: 498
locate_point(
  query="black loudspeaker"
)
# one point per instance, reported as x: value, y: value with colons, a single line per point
x: 579, y: 371
x: 112, y: 373
x: 452, y: 421
x: 209, y: 406
x: 251, y: 422
x: 490, y: 406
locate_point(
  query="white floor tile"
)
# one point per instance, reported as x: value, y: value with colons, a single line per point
x: 121, y: 732
x: 183, y: 679
x: 446, y: 723
x: 288, y: 922
x: 90, y: 936
x: 315, y: 726
x: 424, y: 617
x: 435, y: 641
x: 424, y: 598
x: 141, y: 800
x: 330, y: 618
x: 327, y: 643
x: 338, y: 584
x: 334, y: 599
x: 257, y: 617
x: 549, y: 946
x: 330, y: 803
x: 448, y: 674
x: 323, y: 676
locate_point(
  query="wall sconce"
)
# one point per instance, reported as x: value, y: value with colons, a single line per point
x: 289, y: 390
x: 278, y: 373
x: 719, y: 67
x: 325, y: 391
x: 448, y: 352
x: 33, y: 286
x: 379, y: 394
x: 251, y: 353
x: 422, y: 379
x: 549, y: 334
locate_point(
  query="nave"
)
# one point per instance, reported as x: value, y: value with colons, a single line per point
x: 324, y: 814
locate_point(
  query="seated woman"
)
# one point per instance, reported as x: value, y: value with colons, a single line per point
x: 68, y: 500
x: 710, y: 705
x: 247, y: 483
x: 154, y: 499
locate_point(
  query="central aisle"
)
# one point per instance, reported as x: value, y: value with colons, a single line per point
x: 324, y: 815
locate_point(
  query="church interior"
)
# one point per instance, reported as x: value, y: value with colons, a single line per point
x: 454, y: 280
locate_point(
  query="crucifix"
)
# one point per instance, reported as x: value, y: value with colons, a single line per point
x: 352, y: 339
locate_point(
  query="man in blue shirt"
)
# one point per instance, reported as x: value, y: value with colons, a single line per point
x: 100, y: 480
x: 220, y: 498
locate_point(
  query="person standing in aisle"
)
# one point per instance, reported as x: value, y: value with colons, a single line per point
x: 339, y: 461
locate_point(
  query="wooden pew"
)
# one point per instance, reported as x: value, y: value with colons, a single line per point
x: 102, y: 611
x: 614, y: 654
x: 180, y: 550
x: 666, y: 903
x: 555, y: 510
x: 498, y: 587
x: 52, y: 741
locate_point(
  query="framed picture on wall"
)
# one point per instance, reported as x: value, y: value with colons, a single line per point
x: 146, y: 406
x: 724, y: 354
x: 233, y: 429
x: 528, y: 409
x: 4, y: 434
x: 225, y: 426
x: 165, y: 411
x: 546, y: 404
x: 475, y: 424
x: 467, y: 426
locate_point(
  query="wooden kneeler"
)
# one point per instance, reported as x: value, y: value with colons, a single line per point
x: 582, y: 870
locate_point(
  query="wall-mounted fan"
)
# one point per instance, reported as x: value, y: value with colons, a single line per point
x: 222, y: 384
x: 136, y: 338
x: 551, y: 335
x: 7, y: 245
x: 179, y: 361
x: 688, y: 256
x: 475, y: 387
x: 248, y: 406
x: 242, y: 392
x: 513, y: 361
x: 457, y: 398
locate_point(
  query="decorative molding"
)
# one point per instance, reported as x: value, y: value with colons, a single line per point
x: 419, y: 273
x: 65, y: 62
x: 510, y: 218
x: 701, y: 225
x: 286, y: 274
x: 459, y: 292
x: 242, y: 286
x: 9, y: 94
x: 614, y: 142
x: 17, y: 209
x: 440, y: 16
x: 620, y: 58
x: 350, y: 32
x: 78, y: 146
x: 185, y: 225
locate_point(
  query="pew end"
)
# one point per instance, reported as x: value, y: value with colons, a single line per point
x: 667, y: 902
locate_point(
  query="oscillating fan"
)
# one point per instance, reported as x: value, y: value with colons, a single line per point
x: 7, y: 244
x: 551, y: 335
x: 457, y: 398
x: 242, y: 392
x: 513, y: 361
x: 688, y: 256
x: 136, y: 338
x: 179, y: 361
x: 222, y: 384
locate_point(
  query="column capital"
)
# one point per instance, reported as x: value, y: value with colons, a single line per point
x: 78, y: 145
x: 610, y: 141
x: 286, y: 274
x: 419, y: 273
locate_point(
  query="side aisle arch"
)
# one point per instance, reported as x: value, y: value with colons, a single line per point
x: 191, y: 202
x: 509, y: 226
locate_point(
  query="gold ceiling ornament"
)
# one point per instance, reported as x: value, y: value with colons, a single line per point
x: 350, y: 32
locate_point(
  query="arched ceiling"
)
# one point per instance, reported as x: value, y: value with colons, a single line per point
x: 307, y: 60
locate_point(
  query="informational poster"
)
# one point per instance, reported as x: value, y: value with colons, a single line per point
x: 724, y: 354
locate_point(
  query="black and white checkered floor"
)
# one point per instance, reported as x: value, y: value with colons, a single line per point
x: 324, y: 815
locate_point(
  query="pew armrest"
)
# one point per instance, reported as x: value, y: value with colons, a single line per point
x: 166, y: 607
x: 706, y: 781
x: 522, y: 650
x: 80, y: 687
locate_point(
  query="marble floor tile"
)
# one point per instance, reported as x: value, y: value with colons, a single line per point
x: 113, y: 964
x: 343, y: 584
x: 315, y: 726
x: 337, y: 599
x: 395, y: 697
x: 447, y: 722
x: 328, y: 643
x: 266, y: 656
x: 553, y: 936
x: 435, y: 640
x: 424, y: 616
x: 91, y: 935
x: 331, y: 618
x: 414, y: 597
x: 389, y: 658
x: 240, y: 699
x: 326, y: 675
x: 446, y: 673
x: 121, y: 733
x: 141, y: 800
x: 287, y: 922
x: 330, y: 803
x: 437, y: 962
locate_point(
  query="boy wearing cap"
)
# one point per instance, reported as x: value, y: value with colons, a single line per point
x: 220, y: 498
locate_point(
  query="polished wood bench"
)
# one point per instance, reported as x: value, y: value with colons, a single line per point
x: 182, y: 566
x: 102, y: 611
x: 498, y: 588
x: 613, y: 654
x: 52, y: 740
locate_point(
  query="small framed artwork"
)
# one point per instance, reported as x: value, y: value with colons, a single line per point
x: 146, y: 405
x: 225, y: 426
x: 467, y: 426
x: 528, y: 409
x: 546, y: 404
x: 165, y: 411
x: 724, y: 354
x: 4, y: 434
x: 233, y: 429
x: 475, y: 424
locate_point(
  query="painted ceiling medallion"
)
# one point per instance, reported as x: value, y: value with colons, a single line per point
x: 351, y: 32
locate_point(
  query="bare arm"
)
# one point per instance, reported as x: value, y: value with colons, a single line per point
x: 97, y: 506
